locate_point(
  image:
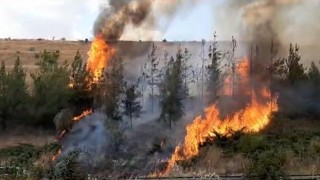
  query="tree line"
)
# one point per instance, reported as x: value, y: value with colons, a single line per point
x: 56, y: 86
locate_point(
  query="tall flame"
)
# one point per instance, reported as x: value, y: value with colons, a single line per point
x: 99, y: 54
x: 253, y: 118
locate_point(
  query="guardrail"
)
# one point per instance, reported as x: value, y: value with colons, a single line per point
x: 239, y: 177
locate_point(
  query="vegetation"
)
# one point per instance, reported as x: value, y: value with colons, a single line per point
x: 152, y: 73
x: 131, y: 102
x: 55, y: 87
x: 172, y: 91
x: 214, y: 72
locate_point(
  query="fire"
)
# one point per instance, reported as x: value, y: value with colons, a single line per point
x: 56, y: 156
x: 243, y: 73
x: 84, y: 114
x: 99, y: 54
x: 253, y: 118
x: 227, y: 86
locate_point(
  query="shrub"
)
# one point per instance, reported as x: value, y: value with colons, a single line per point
x: 267, y: 165
x: 69, y: 168
x: 252, y: 143
x: 32, y: 49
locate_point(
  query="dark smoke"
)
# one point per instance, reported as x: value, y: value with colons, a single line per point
x: 112, y: 21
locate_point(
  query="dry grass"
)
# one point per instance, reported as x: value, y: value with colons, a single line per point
x: 27, y: 49
x: 214, y: 160
x: 22, y: 135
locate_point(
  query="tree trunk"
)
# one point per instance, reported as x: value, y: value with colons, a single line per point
x: 170, y: 121
x: 130, y: 116
x: 4, y: 121
x: 151, y: 93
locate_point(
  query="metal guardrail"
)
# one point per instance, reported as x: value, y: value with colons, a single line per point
x: 216, y: 177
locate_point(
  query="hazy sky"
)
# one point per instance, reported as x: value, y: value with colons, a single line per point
x: 73, y: 19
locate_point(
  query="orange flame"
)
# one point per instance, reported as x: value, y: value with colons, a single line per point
x: 243, y: 73
x: 84, y: 114
x: 253, y: 118
x: 99, y: 54
x: 55, y: 157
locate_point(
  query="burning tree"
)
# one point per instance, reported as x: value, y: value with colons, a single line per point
x: 172, y: 91
x: 81, y: 84
x: 131, y: 102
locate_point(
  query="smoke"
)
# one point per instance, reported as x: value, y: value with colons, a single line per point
x: 146, y: 19
x: 280, y: 21
x: 113, y: 20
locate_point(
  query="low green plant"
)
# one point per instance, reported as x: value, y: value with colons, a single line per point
x: 267, y: 165
x: 69, y: 168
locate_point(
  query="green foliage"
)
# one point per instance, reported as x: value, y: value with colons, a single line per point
x: 25, y: 154
x: 13, y: 92
x: 50, y: 88
x: 112, y: 88
x: 172, y: 91
x: 267, y: 165
x: 131, y: 102
x: 82, y: 86
x: 290, y: 68
x: 18, y: 91
x: 69, y: 168
x: 214, y: 72
x: 3, y: 95
x: 249, y: 144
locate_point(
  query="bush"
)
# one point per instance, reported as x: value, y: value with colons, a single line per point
x: 69, y: 168
x: 32, y: 49
x: 252, y: 143
x: 267, y: 165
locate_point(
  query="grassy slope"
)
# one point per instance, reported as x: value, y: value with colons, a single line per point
x: 296, y: 141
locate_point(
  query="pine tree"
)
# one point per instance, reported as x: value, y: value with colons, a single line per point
x: 50, y: 88
x: 152, y: 73
x: 314, y: 82
x: 131, y: 103
x: 112, y: 88
x: 172, y: 92
x: 4, y: 111
x: 295, y: 69
x: 81, y: 84
x: 17, y: 91
x: 314, y: 74
x: 290, y: 69
x: 186, y: 70
x: 214, y: 73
